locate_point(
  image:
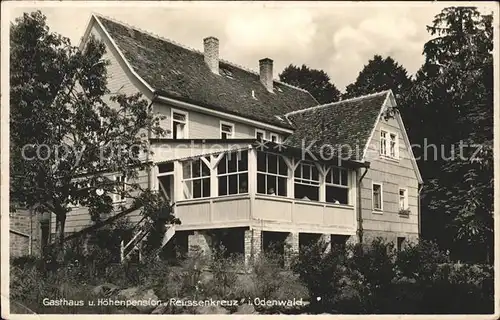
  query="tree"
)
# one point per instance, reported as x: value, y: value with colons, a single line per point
x: 70, y: 137
x: 453, y: 98
x: 378, y: 75
x: 317, y: 82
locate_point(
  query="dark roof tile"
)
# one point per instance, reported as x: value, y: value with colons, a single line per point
x: 344, y: 123
x: 181, y: 73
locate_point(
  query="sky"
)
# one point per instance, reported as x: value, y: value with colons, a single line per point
x: 337, y: 38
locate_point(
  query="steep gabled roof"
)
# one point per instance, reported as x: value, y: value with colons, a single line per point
x: 343, y: 123
x: 181, y: 73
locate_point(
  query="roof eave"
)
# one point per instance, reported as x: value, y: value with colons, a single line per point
x: 165, y: 97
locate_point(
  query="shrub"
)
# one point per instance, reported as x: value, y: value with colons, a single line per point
x: 225, y: 275
x: 420, y: 260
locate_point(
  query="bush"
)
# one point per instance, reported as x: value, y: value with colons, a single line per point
x: 373, y: 278
x: 420, y: 260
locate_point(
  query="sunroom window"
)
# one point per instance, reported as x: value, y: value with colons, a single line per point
x: 337, y: 186
x: 306, y: 182
x: 196, y: 179
x: 232, y: 173
x: 272, y: 174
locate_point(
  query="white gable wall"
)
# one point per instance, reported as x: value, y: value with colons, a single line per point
x: 392, y: 174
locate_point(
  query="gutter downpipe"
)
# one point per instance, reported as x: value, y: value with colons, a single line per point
x: 359, y: 211
x: 150, y: 171
x: 419, y: 209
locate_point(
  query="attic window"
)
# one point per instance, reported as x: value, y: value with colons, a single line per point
x: 226, y: 73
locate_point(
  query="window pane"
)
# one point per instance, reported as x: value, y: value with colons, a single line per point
x: 376, y: 196
x: 272, y: 163
x: 343, y: 177
x: 222, y: 166
x: 174, y: 131
x: 178, y: 130
x: 179, y: 116
x: 243, y: 162
x: 233, y: 184
x: 243, y: 183
x: 306, y: 171
x: 188, y: 189
x: 282, y: 185
x: 283, y: 168
x: 166, y: 167
x: 205, y: 170
x: 186, y: 170
x: 196, y: 168
x: 337, y: 195
x: 223, y: 186
x: 315, y: 173
x: 306, y: 192
x: 261, y: 161
x: 271, y: 184
x: 227, y: 128
x: 298, y: 171
x: 261, y: 183
x: 259, y: 135
x: 197, y: 189
x: 206, y: 187
x: 328, y: 177
x: 231, y: 162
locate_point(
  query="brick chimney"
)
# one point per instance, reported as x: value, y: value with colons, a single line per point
x: 266, y: 73
x: 211, y: 53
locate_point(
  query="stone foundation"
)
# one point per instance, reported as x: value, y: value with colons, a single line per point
x: 253, y: 244
x: 291, y: 247
x: 199, y: 242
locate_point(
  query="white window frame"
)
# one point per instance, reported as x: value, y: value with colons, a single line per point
x: 236, y: 173
x: 186, y: 124
x: 271, y: 135
x: 405, y: 198
x: 307, y: 182
x: 385, y: 144
x: 225, y: 123
x: 276, y: 175
x: 396, y: 145
x: 191, y: 179
x: 116, y: 196
x: 381, y: 197
x: 260, y: 131
x: 159, y: 174
x: 339, y: 184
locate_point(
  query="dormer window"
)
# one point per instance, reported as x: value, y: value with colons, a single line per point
x: 227, y: 73
x: 274, y: 137
x: 260, y: 134
x: 179, y: 124
x: 226, y: 130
